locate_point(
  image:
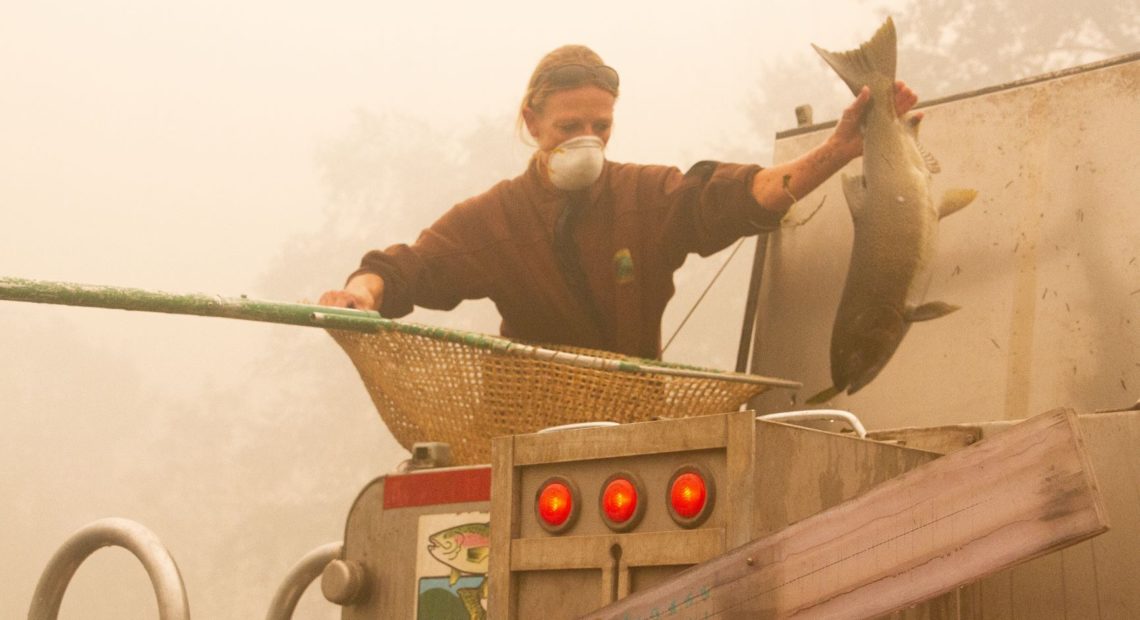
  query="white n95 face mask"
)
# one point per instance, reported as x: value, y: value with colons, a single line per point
x: 576, y: 163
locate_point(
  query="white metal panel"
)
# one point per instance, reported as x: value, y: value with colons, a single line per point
x: 1045, y: 263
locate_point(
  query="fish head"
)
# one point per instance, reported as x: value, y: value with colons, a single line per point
x: 864, y: 345
x: 463, y: 547
x: 443, y: 546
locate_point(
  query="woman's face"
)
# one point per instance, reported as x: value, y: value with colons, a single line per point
x: 582, y: 111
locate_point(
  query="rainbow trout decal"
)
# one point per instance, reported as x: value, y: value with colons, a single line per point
x: 465, y: 550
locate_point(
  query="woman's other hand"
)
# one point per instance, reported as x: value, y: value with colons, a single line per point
x: 363, y: 292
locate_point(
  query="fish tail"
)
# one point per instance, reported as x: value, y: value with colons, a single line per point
x: 824, y: 396
x: 870, y: 63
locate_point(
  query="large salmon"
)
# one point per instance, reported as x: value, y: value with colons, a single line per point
x: 896, y: 224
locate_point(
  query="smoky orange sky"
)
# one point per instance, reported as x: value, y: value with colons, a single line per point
x: 175, y: 146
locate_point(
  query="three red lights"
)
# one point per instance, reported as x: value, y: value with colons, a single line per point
x: 622, y: 500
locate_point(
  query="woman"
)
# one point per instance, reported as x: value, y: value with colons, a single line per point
x: 578, y: 250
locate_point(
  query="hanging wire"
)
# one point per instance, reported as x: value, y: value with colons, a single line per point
x: 786, y: 182
x: 703, y: 293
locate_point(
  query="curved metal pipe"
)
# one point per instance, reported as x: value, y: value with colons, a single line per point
x: 819, y: 414
x: 117, y: 532
x: 300, y: 576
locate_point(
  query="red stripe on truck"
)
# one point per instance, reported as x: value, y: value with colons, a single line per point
x: 454, y: 486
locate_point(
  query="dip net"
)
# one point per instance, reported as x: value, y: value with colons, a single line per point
x: 462, y: 388
x: 465, y: 390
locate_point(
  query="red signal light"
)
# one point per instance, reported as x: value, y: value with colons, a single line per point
x: 620, y: 502
x: 556, y: 505
x: 690, y: 496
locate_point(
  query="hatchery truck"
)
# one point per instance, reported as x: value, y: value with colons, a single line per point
x: 722, y: 516
x: 999, y: 480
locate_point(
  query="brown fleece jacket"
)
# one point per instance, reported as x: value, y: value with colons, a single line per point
x: 636, y: 226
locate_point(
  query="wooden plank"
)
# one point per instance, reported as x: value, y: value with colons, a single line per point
x: 1021, y: 494
x: 624, y: 580
x: 502, y: 585
x: 740, y: 460
x: 1117, y: 554
x: 945, y: 607
x: 996, y: 598
x: 1079, y: 579
x: 940, y: 439
x: 546, y: 595
x: 639, y: 549
x: 1097, y: 577
x: 696, y: 433
x: 1038, y: 589
x: 802, y: 472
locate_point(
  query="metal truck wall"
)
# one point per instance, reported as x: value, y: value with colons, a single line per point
x: 1045, y: 263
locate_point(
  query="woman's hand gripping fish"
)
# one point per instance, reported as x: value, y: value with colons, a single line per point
x: 896, y: 224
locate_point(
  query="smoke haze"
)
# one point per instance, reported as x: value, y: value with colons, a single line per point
x: 260, y: 148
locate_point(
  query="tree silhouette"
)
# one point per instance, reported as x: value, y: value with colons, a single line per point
x: 948, y: 47
x: 387, y: 177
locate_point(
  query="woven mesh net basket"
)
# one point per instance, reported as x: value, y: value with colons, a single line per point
x: 429, y: 389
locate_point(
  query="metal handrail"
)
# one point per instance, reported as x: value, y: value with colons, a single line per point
x: 303, y: 573
x: 164, y: 576
x: 818, y: 414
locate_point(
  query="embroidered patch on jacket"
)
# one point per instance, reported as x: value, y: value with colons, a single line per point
x: 623, y: 266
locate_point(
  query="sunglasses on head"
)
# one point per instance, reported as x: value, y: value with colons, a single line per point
x: 565, y: 76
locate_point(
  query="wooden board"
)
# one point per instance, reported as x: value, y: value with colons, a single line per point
x: 1021, y: 494
x: 1094, y: 579
x: 696, y: 433
x: 504, y: 529
x: 1097, y: 578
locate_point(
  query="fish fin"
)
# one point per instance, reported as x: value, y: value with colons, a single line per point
x: 875, y: 57
x: 453, y: 577
x: 470, y: 599
x: 928, y: 311
x: 931, y: 162
x: 954, y: 199
x: 824, y: 396
x: 912, y: 122
x: 855, y: 191
x: 478, y: 554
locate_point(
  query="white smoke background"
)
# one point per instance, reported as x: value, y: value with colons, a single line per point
x: 260, y: 148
